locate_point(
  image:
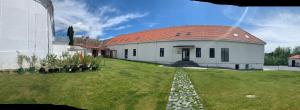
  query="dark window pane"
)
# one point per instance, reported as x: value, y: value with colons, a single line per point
x: 198, y: 52
x: 162, y: 52
x: 225, y: 54
x: 134, y: 52
x: 212, y: 53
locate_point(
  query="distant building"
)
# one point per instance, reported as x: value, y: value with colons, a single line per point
x: 294, y: 61
x: 92, y: 46
x: 209, y: 46
x: 26, y: 26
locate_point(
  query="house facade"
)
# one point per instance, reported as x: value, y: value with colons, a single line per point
x: 294, y: 61
x: 26, y: 26
x: 208, y: 46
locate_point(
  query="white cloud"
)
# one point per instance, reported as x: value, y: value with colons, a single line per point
x: 277, y: 29
x: 106, y: 38
x: 276, y: 26
x: 121, y: 27
x: 77, y: 14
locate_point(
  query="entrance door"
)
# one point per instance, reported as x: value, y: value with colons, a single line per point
x: 185, y: 54
x: 113, y: 54
x: 126, y: 53
x: 237, y: 66
x: 293, y: 63
x: 95, y: 53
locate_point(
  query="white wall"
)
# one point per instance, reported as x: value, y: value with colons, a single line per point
x: 239, y: 53
x: 58, y: 49
x: 297, y: 62
x: 25, y: 26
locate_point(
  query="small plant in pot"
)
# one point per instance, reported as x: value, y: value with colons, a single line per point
x: 75, y: 63
x: 42, y: 70
x: 95, y: 64
x: 86, y: 63
x: 20, y: 60
x: 33, y: 62
x: 66, y: 62
x: 52, y: 62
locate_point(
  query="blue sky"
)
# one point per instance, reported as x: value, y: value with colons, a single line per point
x: 103, y: 19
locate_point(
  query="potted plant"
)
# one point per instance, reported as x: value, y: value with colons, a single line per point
x: 42, y: 70
x: 33, y: 62
x: 20, y: 61
x: 52, y: 63
x: 86, y: 63
x: 95, y: 64
x: 75, y: 62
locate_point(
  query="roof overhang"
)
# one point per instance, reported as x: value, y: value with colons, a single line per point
x: 184, y: 46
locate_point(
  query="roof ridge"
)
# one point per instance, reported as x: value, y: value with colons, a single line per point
x: 200, y: 32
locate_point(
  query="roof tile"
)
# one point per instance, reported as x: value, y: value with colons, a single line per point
x: 220, y: 33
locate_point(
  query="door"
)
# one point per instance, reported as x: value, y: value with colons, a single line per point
x: 126, y: 54
x: 114, y: 54
x: 237, y: 66
x: 95, y: 53
x: 293, y: 63
x: 185, y: 54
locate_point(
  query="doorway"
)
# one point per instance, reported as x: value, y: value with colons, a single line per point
x: 113, y: 54
x: 185, y: 54
x: 237, y: 66
x: 95, y: 53
x: 293, y: 63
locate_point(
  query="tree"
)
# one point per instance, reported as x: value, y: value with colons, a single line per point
x: 296, y: 50
x: 70, y: 34
x: 278, y: 57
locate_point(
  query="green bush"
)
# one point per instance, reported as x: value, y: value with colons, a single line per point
x: 52, y: 61
x: 20, y: 61
x: 70, y: 63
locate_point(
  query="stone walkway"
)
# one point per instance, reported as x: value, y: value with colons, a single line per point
x: 183, y: 96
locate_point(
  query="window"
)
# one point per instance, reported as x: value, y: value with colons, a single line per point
x: 212, y: 53
x: 126, y: 53
x: 198, y: 52
x: 134, y: 52
x: 247, y: 66
x: 162, y: 52
x: 225, y: 54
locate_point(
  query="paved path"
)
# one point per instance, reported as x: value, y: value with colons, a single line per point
x: 272, y: 68
x: 183, y: 95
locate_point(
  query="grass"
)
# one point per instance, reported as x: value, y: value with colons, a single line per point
x: 134, y: 85
x: 226, y: 89
x: 119, y: 85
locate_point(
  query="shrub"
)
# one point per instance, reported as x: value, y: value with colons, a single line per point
x: 43, y: 66
x: 69, y: 63
x: 33, y: 62
x: 20, y: 61
x: 95, y: 64
x: 52, y: 61
x: 86, y: 62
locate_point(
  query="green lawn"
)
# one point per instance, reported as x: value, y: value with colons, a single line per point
x: 141, y: 86
x: 226, y: 89
x: 119, y: 85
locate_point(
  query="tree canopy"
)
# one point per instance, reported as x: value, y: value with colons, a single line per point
x: 280, y: 55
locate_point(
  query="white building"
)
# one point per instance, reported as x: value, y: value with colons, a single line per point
x: 26, y: 26
x: 294, y: 61
x: 61, y: 46
x: 209, y: 46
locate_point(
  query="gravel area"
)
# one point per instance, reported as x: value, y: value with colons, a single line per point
x: 183, y: 95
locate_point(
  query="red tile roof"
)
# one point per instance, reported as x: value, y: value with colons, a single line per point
x: 295, y: 57
x: 216, y: 33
